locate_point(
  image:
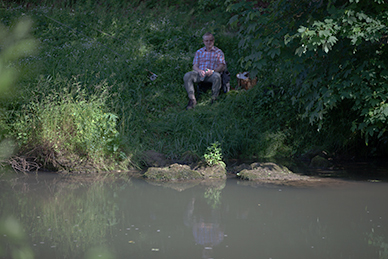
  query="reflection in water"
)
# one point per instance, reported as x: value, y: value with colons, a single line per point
x: 66, y: 217
x: 204, y: 216
x: 380, y: 242
x: 127, y: 218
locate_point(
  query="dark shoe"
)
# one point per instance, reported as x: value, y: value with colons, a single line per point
x: 213, y: 100
x: 191, y: 105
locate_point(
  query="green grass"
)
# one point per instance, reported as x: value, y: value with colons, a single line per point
x: 95, y: 58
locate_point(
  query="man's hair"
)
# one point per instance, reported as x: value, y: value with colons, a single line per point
x: 208, y: 34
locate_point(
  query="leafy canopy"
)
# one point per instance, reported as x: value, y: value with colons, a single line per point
x: 330, y: 56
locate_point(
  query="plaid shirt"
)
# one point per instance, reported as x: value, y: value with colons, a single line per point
x: 209, y: 59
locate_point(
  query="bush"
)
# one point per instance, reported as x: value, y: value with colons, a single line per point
x: 329, y: 57
x: 213, y: 155
x: 68, y: 122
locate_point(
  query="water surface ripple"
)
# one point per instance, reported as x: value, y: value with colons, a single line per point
x: 122, y: 217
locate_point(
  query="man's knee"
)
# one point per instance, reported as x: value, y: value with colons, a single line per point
x: 216, y: 78
x: 189, y: 76
x: 186, y: 77
x: 217, y: 75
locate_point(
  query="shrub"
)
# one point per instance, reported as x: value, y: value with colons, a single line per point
x: 68, y: 122
x: 213, y: 155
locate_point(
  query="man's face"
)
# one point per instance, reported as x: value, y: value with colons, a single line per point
x: 208, y: 41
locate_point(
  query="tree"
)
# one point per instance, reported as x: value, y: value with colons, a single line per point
x: 331, y: 56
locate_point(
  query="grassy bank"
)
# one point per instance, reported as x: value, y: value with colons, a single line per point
x: 85, y: 97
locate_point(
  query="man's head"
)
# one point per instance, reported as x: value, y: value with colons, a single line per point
x: 208, y: 40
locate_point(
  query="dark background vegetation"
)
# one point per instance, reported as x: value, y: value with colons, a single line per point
x: 85, y: 93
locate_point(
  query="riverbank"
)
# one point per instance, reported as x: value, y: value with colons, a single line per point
x: 102, y: 84
x: 289, y: 172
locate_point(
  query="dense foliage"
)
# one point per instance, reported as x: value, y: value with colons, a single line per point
x: 90, y: 88
x: 329, y: 57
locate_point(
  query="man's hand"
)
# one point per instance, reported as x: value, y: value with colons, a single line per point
x: 209, y: 72
x: 202, y: 73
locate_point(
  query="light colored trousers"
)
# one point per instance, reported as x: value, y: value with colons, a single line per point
x: 193, y: 77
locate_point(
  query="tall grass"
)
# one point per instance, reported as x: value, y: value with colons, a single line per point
x: 89, y: 89
x: 64, y: 124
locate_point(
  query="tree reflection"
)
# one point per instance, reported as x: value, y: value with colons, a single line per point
x: 70, y: 217
x: 380, y: 242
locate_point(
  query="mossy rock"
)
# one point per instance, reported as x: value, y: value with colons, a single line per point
x: 239, y: 168
x: 172, y: 172
x: 268, y: 171
x: 213, y: 172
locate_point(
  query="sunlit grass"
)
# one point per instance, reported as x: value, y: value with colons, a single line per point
x: 91, y: 45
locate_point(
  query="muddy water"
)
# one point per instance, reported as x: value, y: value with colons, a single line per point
x: 122, y: 217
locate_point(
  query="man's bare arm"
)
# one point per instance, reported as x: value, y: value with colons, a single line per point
x: 220, y: 68
x: 196, y: 68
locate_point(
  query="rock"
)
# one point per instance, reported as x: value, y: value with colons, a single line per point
x: 268, y: 172
x: 238, y: 168
x: 320, y: 162
x: 213, y: 172
x: 184, y: 172
x: 172, y: 172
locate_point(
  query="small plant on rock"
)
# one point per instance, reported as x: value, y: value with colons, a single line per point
x: 213, y: 155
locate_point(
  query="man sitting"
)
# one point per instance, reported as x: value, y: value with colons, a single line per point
x: 208, y: 64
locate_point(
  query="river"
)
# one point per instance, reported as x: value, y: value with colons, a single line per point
x: 55, y: 216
